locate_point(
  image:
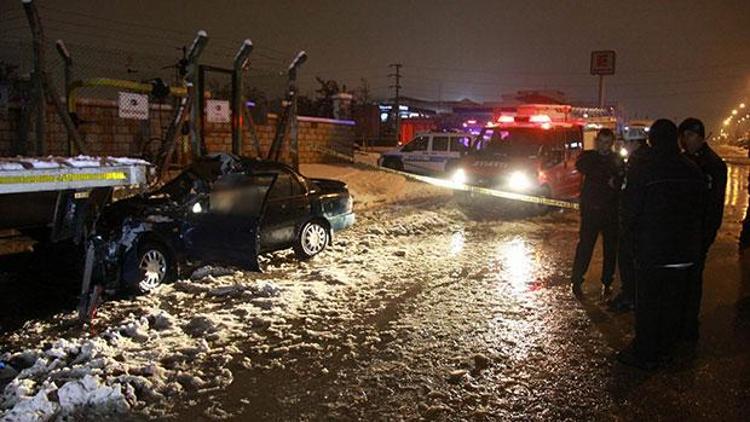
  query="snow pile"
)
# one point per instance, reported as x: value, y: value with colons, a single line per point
x: 80, y: 161
x: 149, y: 356
x: 371, y: 187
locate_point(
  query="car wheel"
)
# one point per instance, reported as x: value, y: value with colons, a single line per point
x: 155, y: 267
x: 312, y: 240
x: 394, y: 164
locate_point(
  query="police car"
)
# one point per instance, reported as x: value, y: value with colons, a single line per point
x: 428, y: 153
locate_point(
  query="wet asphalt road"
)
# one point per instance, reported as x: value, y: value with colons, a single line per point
x: 475, y: 322
x: 441, y: 317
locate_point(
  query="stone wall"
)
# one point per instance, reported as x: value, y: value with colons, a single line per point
x: 105, y: 133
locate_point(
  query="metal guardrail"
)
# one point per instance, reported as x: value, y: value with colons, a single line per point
x: 448, y: 184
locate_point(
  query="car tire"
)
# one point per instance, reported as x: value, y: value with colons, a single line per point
x: 393, y: 164
x: 312, y: 239
x: 154, y: 266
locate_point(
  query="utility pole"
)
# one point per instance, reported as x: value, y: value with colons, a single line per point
x: 397, y: 98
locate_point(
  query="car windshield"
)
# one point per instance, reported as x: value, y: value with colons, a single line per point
x: 511, y: 142
x: 179, y: 188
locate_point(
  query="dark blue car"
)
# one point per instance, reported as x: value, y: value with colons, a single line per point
x: 222, y: 210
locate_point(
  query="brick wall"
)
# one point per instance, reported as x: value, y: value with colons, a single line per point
x: 104, y: 133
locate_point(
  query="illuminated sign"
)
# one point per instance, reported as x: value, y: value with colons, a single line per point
x: 603, y: 62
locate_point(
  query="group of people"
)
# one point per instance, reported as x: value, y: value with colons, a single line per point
x: 658, y: 212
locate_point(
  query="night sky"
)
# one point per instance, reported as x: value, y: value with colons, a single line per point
x: 675, y: 58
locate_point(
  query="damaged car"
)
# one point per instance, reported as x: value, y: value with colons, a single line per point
x: 222, y: 210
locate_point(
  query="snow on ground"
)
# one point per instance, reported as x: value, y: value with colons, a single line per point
x: 143, y: 353
x: 371, y: 187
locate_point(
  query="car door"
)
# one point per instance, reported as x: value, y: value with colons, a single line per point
x: 287, y: 207
x: 416, y: 155
x: 438, y: 153
x: 552, y: 156
x: 223, y: 226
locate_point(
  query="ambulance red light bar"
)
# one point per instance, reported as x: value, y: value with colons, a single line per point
x: 539, y: 118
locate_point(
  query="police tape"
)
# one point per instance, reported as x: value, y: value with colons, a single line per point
x: 61, y: 178
x: 449, y: 184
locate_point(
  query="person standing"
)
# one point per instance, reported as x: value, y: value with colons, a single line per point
x: 692, y: 137
x: 636, y: 147
x: 599, y: 196
x: 664, y: 207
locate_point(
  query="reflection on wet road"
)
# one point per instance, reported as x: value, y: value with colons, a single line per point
x: 736, y: 186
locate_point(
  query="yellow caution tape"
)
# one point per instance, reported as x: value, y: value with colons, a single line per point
x: 62, y: 178
x: 515, y: 196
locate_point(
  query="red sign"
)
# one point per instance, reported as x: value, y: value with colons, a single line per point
x: 603, y: 62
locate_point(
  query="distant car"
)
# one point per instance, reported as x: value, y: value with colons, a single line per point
x: 428, y: 153
x: 221, y: 210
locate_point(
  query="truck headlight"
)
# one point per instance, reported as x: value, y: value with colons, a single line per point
x: 519, y: 181
x: 459, y: 177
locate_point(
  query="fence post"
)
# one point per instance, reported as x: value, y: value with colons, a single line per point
x: 193, y: 79
x: 38, y: 86
x: 294, y: 129
x: 67, y: 64
x: 238, y: 99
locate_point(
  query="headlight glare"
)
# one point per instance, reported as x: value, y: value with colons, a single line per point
x: 519, y: 181
x: 459, y: 176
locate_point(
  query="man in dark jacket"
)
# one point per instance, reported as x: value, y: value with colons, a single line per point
x: 693, y: 141
x: 637, y: 148
x: 599, y: 196
x: 664, y: 208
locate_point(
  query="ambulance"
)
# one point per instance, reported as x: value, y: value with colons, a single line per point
x: 531, y: 152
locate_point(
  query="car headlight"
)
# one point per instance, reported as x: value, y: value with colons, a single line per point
x: 519, y: 181
x: 459, y: 177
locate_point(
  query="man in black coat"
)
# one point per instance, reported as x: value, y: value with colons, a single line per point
x: 637, y: 148
x: 693, y: 141
x: 599, y: 197
x: 664, y: 207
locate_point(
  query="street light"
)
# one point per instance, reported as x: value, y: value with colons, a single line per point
x: 742, y: 105
x: 734, y: 112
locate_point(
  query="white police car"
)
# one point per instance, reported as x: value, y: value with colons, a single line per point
x: 428, y: 153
